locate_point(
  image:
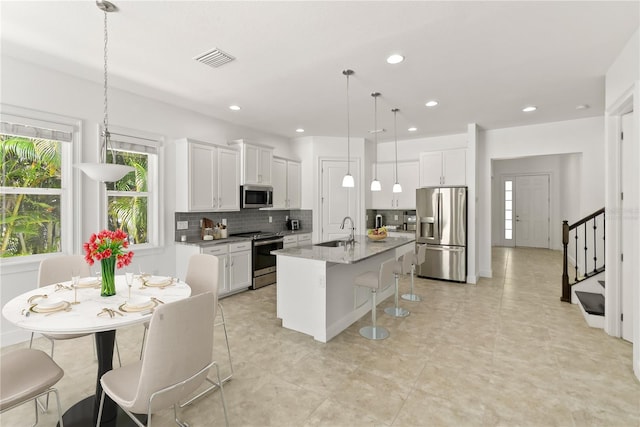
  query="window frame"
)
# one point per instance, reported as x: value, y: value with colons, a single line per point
x: 155, y: 235
x: 69, y: 152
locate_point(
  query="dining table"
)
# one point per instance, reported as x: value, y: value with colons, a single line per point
x: 61, y: 308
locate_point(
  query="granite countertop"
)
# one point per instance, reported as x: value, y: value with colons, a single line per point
x: 232, y: 239
x: 363, y: 249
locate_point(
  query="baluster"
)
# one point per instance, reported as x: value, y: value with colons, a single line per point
x: 595, y: 246
x: 604, y: 246
x: 576, y: 258
x: 584, y: 227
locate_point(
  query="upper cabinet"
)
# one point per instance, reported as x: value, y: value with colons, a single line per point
x: 286, y: 184
x: 256, y: 163
x: 408, y: 177
x: 207, y: 177
x: 446, y: 167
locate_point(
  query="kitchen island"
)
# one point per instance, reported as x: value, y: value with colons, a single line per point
x: 315, y: 293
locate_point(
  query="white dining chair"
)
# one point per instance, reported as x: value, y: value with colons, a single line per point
x: 176, y: 361
x: 25, y: 375
x: 60, y: 269
x: 202, y: 276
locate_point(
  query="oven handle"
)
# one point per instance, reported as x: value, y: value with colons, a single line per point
x: 267, y: 242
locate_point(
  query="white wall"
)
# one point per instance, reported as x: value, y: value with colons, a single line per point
x: 33, y: 87
x: 584, y: 136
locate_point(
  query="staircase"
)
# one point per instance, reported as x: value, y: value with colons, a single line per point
x: 583, y: 247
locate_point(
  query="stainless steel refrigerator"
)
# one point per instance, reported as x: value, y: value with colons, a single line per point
x: 442, y: 225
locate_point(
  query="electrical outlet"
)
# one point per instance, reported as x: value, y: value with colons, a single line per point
x: 395, y: 217
x: 286, y: 217
x: 224, y: 221
x: 270, y: 219
x: 182, y: 225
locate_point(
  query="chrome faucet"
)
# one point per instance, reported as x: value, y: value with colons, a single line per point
x: 352, y: 240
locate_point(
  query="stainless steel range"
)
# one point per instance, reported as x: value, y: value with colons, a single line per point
x: 264, y: 264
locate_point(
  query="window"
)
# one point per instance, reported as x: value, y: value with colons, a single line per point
x: 132, y: 204
x: 508, y: 210
x: 34, y: 193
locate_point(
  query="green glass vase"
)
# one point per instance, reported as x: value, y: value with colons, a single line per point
x: 108, y: 277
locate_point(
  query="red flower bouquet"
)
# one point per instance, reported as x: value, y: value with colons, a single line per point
x: 110, y: 248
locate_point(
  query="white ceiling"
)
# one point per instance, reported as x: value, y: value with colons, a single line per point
x: 483, y: 61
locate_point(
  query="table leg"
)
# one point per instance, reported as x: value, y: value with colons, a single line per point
x: 85, y: 412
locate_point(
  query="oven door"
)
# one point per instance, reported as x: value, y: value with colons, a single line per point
x: 264, y: 264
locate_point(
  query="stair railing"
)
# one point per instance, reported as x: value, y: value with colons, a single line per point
x: 592, y: 244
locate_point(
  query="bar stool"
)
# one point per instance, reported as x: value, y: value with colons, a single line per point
x: 409, y: 262
x: 397, y: 311
x: 375, y: 282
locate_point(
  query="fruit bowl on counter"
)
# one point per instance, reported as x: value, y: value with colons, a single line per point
x: 377, y: 234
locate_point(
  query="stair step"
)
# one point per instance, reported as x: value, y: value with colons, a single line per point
x: 601, y: 283
x: 593, y: 303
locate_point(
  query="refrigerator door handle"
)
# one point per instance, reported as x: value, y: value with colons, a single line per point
x: 444, y: 248
x: 439, y: 216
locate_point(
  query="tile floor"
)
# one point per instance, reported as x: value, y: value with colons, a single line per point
x: 504, y: 352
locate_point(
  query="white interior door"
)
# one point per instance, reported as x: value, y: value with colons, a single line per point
x: 629, y: 224
x: 337, y: 201
x: 531, y: 199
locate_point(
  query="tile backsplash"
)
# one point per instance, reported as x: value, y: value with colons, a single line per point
x: 243, y: 221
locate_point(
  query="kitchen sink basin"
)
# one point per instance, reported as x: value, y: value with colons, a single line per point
x: 332, y: 243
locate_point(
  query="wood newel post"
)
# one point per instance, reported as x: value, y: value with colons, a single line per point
x: 566, y: 289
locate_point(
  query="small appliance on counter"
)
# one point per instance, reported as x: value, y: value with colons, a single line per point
x: 293, y: 224
x: 410, y: 221
x: 206, y: 230
x: 378, y: 222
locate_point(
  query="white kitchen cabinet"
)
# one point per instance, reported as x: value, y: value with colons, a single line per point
x: 256, y: 163
x: 448, y: 167
x: 408, y: 177
x: 239, y: 266
x: 293, y: 240
x: 286, y: 184
x: 207, y: 177
x: 234, y: 268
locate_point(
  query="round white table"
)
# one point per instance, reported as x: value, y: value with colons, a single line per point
x: 83, y: 318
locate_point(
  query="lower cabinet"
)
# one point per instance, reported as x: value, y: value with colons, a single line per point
x: 234, y: 268
x: 293, y: 240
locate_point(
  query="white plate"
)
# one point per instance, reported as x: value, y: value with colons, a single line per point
x: 137, y: 303
x: 86, y: 282
x: 50, y: 303
x: 158, y: 281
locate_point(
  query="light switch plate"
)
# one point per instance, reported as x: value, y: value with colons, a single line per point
x: 395, y: 217
x: 270, y: 219
x: 224, y: 221
x: 182, y: 225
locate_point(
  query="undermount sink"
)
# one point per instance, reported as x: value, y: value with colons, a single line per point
x: 332, y: 243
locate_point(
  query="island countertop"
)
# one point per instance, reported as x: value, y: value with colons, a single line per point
x: 363, y: 249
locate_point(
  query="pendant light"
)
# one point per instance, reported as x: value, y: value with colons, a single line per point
x: 375, y: 184
x: 347, y: 181
x: 103, y: 171
x: 397, y: 188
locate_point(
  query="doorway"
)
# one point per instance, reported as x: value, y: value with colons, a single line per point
x: 337, y: 201
x: 526, y: 210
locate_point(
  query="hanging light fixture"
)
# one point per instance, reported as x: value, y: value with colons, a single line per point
x: 397, y: 188
x: 347, y: 181
x: 375, y: 184
x: 103, y: 171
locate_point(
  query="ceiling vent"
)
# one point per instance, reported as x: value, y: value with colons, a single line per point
x: 214, y: 58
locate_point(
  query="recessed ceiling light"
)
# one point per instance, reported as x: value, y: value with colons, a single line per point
x: 582, y: 107
x: 234, y: 107
x: 412, y: 129
x: 395, y: 59
x: 299, y: 130
x: 432, y: 103
x: 529, y: 109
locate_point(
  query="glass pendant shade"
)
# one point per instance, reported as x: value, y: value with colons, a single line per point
x: 397, y: 188
x: 104, y: 172
x: 375, y: 185
x: 348, y: 181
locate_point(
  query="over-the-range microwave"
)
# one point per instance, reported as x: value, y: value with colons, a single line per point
x: 256, y: 196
